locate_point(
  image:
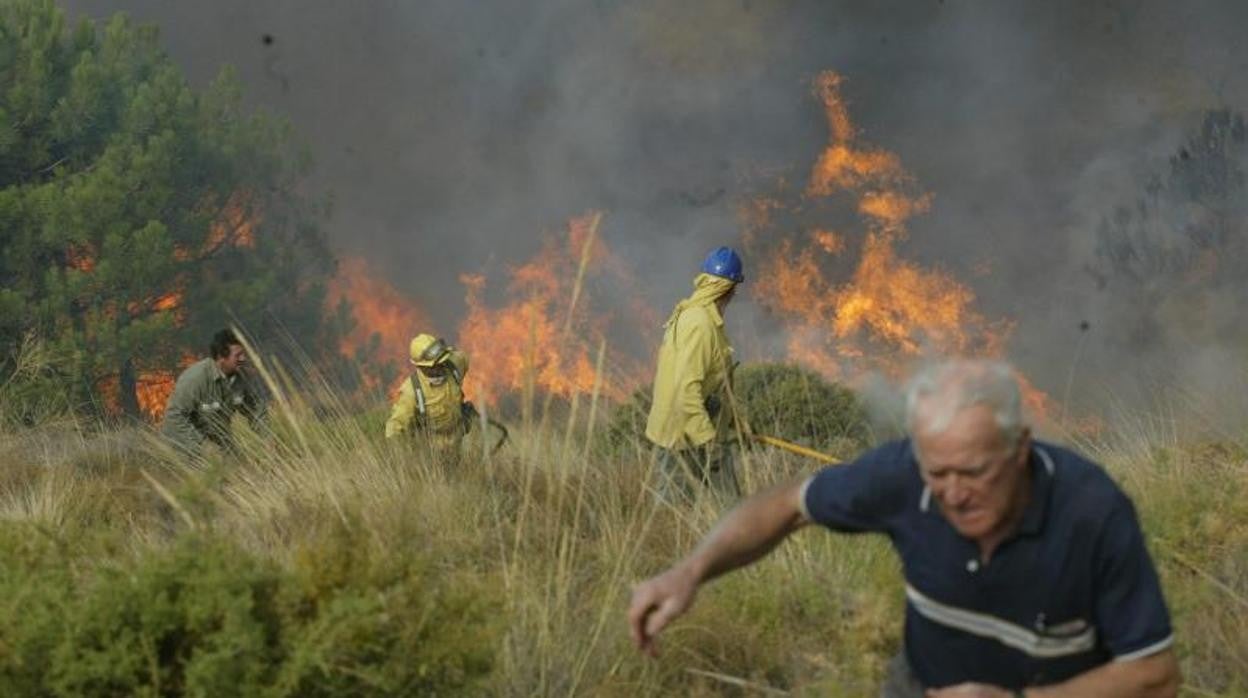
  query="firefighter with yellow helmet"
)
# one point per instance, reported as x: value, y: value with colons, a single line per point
x: 431, y: 402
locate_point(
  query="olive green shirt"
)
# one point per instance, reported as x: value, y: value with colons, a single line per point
x: 204, y: 402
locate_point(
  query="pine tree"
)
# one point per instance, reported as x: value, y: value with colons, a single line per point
x: 138, y: 216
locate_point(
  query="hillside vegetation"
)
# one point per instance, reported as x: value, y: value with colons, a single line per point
x: 326, y: 562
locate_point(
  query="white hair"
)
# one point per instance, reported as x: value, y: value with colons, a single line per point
x: 940, y: 391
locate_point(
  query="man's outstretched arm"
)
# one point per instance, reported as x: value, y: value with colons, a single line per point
x: 745, y: 534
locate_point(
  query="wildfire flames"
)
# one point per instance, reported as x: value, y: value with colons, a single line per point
x: 379, y: 309
x: 80, y: 258
x: 546, y: 332
x: 889, y: 310
x: 544, y: 335
x: 153, y: 388
x: 234, y: 226
x: 848, y: 300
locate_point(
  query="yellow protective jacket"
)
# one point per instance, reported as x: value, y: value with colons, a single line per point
x: 443, y: 408
x: 695, y: 362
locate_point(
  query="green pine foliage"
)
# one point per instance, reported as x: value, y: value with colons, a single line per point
x: 137, y: 215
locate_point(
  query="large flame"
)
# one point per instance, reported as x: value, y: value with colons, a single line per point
x: 379, y: 309
x: 883, y: 311
x: 545, y: 335
x: 889, y: 308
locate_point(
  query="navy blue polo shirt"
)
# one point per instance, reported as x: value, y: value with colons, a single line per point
x: 1072, y: 589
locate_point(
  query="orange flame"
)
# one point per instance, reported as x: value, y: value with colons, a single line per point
x: 81, y: 258
x: 167, y: 303
x: 379, y: 308
x: 889, y: 310
x: 546, y: 330
x: 235, y: 226
x: 831, y: 242
x: 152, y: 390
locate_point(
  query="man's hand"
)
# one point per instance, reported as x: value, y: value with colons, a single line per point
x: 657, y: 602
x: 968, y: 690
x: 745, y: 534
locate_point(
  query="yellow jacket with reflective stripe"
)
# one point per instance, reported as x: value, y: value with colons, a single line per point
x: 443, y: 403
x: 695, y: 362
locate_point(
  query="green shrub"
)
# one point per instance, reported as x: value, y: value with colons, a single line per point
x: 798, y: 405
x: 36, y: 587
x: 382, y: 619
x: 196, y: 619
x: 32, y: 389
x: 626, y: 423
x: 204, y: 618
x: 780, y: 400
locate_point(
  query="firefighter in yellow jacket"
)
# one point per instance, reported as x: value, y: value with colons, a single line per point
x: 431, y: 403
x: 690, y: 420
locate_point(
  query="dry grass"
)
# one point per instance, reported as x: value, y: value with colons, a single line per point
x: 561, y: 535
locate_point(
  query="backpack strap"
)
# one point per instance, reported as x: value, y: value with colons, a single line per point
x: 420, y: 396
x: 422, y: 407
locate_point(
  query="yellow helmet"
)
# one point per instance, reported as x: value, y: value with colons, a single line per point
x: 427, y: 350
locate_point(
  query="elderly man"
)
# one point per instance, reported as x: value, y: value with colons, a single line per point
x: 689, y: 421
x: 1026, y: 571
x: 208, y: 394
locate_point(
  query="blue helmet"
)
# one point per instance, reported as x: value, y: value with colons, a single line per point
x: 724, y: 262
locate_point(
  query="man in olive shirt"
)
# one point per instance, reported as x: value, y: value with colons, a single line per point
x: 208, y: 394
x: 690, y: 419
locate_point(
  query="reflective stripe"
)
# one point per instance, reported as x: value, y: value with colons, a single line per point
x: 1002, y: 631
x: 1147, y: 651
x: 1048, y: 462
x: 801, y: 499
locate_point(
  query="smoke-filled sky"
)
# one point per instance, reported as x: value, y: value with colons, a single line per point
x: 452, y: 134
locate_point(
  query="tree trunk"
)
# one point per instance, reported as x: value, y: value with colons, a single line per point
x: 127, y: 390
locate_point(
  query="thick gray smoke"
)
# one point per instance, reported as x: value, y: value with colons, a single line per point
x: 452, y: 134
